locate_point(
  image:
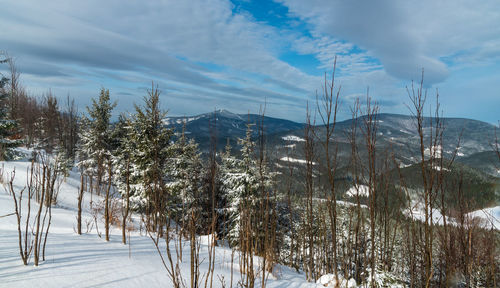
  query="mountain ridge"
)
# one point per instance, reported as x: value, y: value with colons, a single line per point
x: 396, y: 130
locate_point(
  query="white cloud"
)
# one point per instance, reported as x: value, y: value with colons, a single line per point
x: 164, y: 40
x: 409, y: 35
x: 207, y: 50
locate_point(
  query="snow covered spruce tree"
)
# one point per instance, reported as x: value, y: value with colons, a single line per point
x: 124, y: 174
x: 151, y: 139
x: 230, y: 177
x: 151, y: 154
x: 187, y: 204
x: 241, y: 183
x: 184, y: 180
x: 245, y: 184
x: 8, y: 126
x: 95, y: 149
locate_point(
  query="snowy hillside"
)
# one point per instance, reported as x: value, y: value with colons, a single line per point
x: 89, y: 261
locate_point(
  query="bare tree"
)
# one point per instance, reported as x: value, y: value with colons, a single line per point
x: 23, y: 233
x: 309, y: 152
x: 370, y: 134
x: 42, y: 182
x: 80, y: 201
x: 126, y: 208
x: 213, y: 202
x: 328, y: 107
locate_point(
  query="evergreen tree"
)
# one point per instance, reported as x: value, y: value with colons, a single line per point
x: 124, y: 177
x: 96, y: 149
x: 86, y: 163
x: 122, y: 149
x: 241, y: 183
x: 184, y: 181
x: 151, y: 139
x: 8, y: 126
x: 96, y: 136
x: 231, y: 180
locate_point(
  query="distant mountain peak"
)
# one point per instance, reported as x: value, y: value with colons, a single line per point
x: 227, y: 114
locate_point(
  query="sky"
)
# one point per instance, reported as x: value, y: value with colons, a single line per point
x: 241, y: 55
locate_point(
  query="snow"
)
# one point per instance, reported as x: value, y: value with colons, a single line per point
x: 402, y: 165
x: 358, y: 190
x: 438, y: 168
x: 207, y: 239
x: 179, y: 120
x: 329, y: 280
x: 419, y: 215
x: 435, y: 151
x: 489, y: 217
x: 404, y: 131
x: 88, y: 261
x: 486, y: 218
x: 293, y: 160
x: 293, y: 138
x: 417, y: 212
x: 342, y: 203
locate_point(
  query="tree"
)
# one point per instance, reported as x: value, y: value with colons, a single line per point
x: 185, y: 187
x: 95, y: 146
x: 68, y: 128
x: 328, y: 106
x: 8, y: 126
x: 231, y: 179
x: 241, y: 182
x: 123, y: 178
x: 152, y: 140
x: 48, y: 124
x: 184, y: 179
x: 97, y: 135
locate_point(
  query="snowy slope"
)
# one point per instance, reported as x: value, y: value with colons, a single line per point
x: 490, y: 217
x: 89, y: 261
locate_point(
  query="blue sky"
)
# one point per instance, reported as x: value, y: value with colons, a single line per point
x: 239, y: 55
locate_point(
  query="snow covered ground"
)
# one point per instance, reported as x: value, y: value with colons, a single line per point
x: 490, y: 217
x: 88, y: 261
x: 486, y: 218
x: 358, y: 190
x: 293, y: 160
x: 293, y: 138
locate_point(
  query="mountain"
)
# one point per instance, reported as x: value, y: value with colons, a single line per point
x: 398, y: 144
x: 228, y: 126
x: 486, y: 162
x: 479, y: 189
x: 396, y: 133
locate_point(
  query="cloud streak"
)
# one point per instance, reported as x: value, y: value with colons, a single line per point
x: 218, y: 53
x: 407, y: 36
x: 168, y: 40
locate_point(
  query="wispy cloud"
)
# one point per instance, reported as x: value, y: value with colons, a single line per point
x: 162, y: 40
x: 407, y: 36
x: 233, y: 55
